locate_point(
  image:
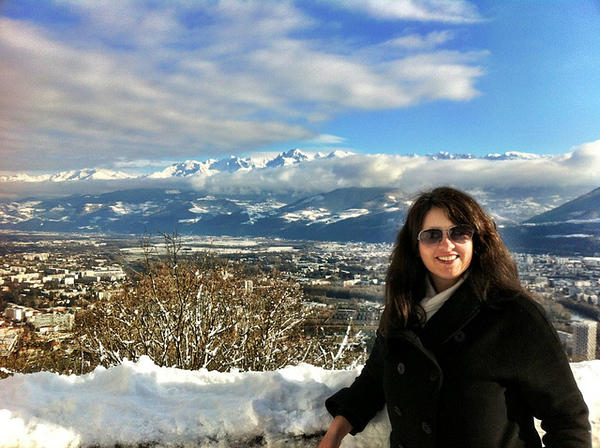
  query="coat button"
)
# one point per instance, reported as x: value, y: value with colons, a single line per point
x: 426, y: 428
x: 401, y: 369
x: 397, y: 410
x: 434, y: 376
x: 460, y: 337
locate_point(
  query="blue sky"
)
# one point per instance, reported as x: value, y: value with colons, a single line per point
x: 135, y: 85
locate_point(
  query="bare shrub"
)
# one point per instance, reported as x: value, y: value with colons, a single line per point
x: 205, y: 313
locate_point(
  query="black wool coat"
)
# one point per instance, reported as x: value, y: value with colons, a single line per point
x: 474, y: 376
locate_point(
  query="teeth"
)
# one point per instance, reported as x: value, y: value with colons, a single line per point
x: 451, y: 258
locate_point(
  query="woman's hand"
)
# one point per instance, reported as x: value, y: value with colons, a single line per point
x: 339, y: 428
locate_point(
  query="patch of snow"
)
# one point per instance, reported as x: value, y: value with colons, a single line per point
x: 139, y: 403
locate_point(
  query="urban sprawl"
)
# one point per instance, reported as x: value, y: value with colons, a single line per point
x: 45, y: 279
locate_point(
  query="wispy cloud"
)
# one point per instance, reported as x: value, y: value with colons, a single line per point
x: 419, y: 41
x: 433, y: 10
x: 326, y: 139
x: 138, y: 80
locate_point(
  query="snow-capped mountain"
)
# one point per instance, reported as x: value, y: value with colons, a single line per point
x: 582, y: 210
x: 93, y: 173
x: 443, y: 155
x: 233, y: 164
x: 510, y: 155
x: 187, y: 168
x: 292, y: 157
x: 72, y: 175
x: 300, y: 196
x: 346, y: 214
x: 514, y: 155
x: 570, y: 228
x: 209, y: 167
x: 183, y: 169
x: 337, y: 154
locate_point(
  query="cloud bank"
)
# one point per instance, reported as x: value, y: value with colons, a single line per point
x: 576, y: 172
x: 155, y: 80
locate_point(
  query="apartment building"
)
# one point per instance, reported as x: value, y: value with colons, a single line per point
x: 584, y: 340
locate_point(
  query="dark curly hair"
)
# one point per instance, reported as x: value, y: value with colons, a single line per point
x: 493, y: 271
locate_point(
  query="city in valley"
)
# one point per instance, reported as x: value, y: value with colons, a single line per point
x: 46, y: 279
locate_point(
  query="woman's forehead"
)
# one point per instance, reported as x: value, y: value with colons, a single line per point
x: 436, y: 217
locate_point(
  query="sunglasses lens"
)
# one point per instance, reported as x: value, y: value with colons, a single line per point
x: 460, y: 234
x: 431, y: 237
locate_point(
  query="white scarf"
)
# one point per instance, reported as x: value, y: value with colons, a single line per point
x: 433, y: 301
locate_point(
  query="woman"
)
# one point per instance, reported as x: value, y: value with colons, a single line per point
x: 463, y: 357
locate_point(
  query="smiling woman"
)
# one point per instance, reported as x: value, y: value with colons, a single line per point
x: 464, y: 356
x: 448, y: 257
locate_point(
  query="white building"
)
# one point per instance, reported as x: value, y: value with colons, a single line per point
x: 584, y: 340
x: 18, y: 313
x: 55, y: 321
x: 15, y: 313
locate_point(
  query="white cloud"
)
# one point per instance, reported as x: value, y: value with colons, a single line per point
x: 579, y: 168
x: 184, y: 79
x: 584, y: 158
x: 326, y: 139
x: 420, y: 42
x: 451, y: 11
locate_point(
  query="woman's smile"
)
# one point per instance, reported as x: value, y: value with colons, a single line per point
x: 449, y: 258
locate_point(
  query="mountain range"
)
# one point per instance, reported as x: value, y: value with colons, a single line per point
x: 349, y: 214
x: 181, y: 169
x: 533, y: 220
x: 190, y: 168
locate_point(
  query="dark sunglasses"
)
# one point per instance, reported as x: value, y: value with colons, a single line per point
x: 460, y: 234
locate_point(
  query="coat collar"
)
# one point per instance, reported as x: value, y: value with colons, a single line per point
x: 458, y: 310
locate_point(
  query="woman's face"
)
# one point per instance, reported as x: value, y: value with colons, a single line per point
x: 446, y: 261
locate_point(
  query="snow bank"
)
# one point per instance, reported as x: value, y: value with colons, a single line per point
x: 140, y: 403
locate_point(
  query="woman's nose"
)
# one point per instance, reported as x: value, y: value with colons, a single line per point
x: 446, y: 241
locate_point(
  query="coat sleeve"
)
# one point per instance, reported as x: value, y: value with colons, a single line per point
x: 364, y: 398
x: 546, y: 381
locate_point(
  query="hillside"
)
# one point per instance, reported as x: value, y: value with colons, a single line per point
x: 584, y: 209
x: 345, y: 214
x: 289, y: 195
x: 571, y: 228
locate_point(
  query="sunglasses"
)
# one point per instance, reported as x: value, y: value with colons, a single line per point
x: 460, y: 234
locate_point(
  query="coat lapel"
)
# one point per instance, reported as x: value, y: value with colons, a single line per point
x: 447, y: 323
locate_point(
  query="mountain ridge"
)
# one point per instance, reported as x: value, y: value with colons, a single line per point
x: 585, y: 208
x: 190, y: 168
x: 358, y: 198
x: 373, y: 214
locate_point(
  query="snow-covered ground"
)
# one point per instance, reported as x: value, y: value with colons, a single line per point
x: 142, y: 404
